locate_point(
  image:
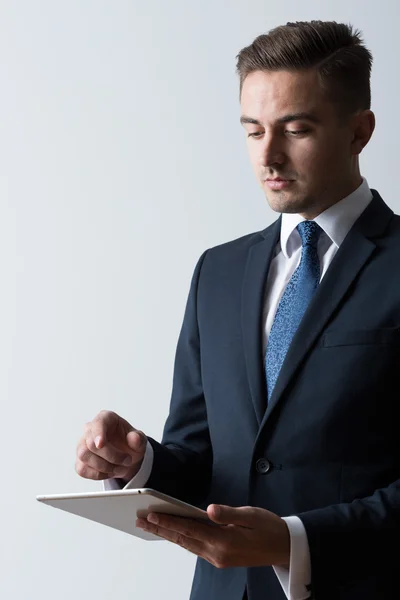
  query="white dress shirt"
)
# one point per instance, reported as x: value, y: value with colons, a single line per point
x: 335, y: 223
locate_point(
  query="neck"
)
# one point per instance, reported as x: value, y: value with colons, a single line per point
x: 340, y: 193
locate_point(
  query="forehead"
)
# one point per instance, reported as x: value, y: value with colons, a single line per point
x: 267, y: 95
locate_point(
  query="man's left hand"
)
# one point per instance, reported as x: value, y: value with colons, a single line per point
x: 249, y: 537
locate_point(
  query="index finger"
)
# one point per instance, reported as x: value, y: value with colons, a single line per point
x: 109, y: 453
x: 100, y: 425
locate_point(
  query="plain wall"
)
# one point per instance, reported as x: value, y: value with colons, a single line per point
x: 121, y: 161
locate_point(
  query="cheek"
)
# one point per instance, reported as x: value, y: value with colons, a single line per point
x: 308, y: 153
x: 313, y: 158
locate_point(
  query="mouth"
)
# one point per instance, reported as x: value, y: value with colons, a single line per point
x: 278, y: 184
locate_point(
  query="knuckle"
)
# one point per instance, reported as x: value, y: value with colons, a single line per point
x: 105, y: 414
x: 80, y: 469
x: 106, y: 467
x: 118, y: 459
x: 90, y: 445
x: 112, y: 455
x: 101, y: 465
x: 220, y: 562
x: 180, y: 540
x: 213, y: 542
x: 83, y: 453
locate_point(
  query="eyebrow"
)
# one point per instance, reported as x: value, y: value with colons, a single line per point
x: 300, y: 116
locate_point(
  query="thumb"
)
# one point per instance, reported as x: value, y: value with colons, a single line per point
x: 228, y: 515
x: 136, y: 441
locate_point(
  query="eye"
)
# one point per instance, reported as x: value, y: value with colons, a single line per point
x: 298, y: 131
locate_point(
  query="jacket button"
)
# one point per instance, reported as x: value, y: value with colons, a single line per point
x: 263, y: 465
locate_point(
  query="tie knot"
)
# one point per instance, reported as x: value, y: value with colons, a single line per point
x: 309, y: 232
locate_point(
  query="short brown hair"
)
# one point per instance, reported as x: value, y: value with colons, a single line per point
x: 337, y: 52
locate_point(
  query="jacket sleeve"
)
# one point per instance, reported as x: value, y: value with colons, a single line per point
x: 183, y: 461
x: 353, y: 543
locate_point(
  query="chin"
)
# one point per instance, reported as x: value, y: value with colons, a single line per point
x: 281, y: 204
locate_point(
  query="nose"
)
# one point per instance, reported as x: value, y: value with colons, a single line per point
x: 271, y: 151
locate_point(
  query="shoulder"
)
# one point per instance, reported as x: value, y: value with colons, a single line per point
x: 241, y: 244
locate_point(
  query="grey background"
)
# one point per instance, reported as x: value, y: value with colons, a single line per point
x: 122, y: 159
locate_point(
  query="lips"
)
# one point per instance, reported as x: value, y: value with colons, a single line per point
x: 278, y: 179
x: 278, y: 184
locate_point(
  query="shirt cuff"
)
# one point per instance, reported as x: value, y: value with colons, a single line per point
x: 295, y: 581
x: 141, y: 477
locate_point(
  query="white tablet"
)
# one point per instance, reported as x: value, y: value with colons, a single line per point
x: 120, y: 508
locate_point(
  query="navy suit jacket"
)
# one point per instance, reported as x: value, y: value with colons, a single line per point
x: 327, y: 446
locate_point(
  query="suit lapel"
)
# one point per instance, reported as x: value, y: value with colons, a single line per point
x: 350, y: 258
x: 257, y: 267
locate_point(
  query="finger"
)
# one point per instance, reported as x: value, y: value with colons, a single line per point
x: 243, y: 516
x: 110, y: 453
x: 98, y: 463
x: 106, y: 419
x: 183, y: 526
x: 137, y: 441
x: 195, y: 546
x: 88, y: 473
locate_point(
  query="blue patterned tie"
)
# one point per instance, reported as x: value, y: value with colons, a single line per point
x: 294, y: 302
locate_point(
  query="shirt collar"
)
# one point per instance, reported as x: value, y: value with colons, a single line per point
x: 336, y: 221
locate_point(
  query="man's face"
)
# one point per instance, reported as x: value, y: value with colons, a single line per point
x: 314, y: 152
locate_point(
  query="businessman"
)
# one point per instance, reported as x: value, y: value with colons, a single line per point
x: 284, y: 414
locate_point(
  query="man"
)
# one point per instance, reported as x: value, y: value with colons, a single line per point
x: 284, y: 410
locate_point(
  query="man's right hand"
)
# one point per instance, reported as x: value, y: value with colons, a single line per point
x: 110, y: 447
